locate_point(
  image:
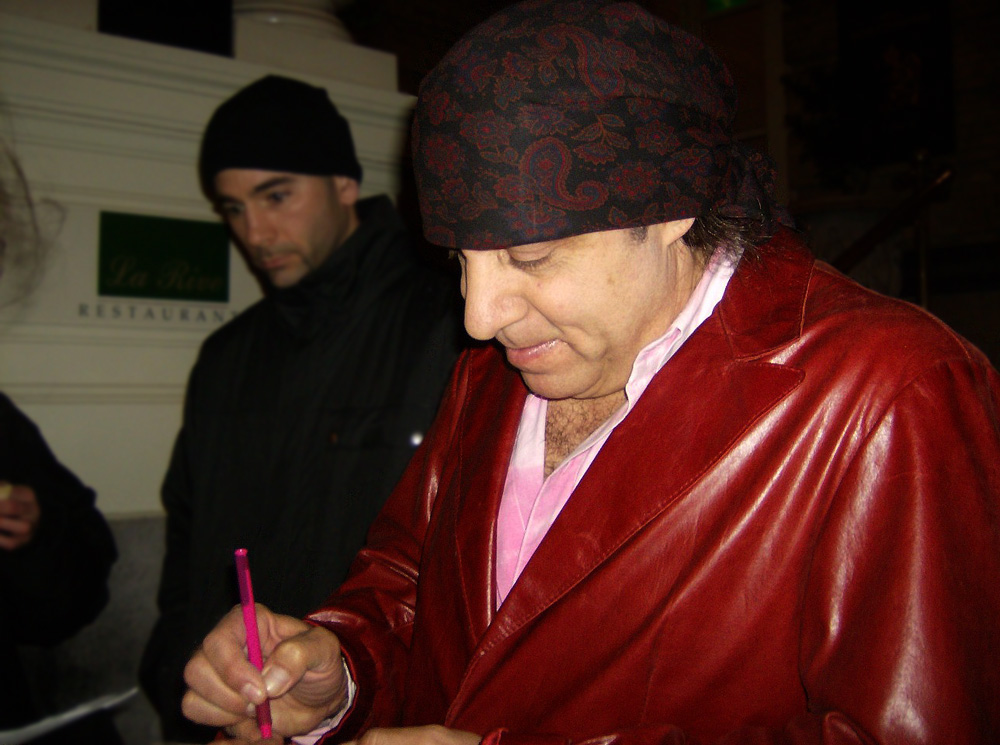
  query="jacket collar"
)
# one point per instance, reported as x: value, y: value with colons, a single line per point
x: 332, y: 288
x: 764, y: 304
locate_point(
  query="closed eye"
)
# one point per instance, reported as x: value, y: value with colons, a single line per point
x: 528, y: 265
x: 277, y: 197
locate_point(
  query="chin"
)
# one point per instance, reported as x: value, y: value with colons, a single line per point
x: 283, y: 280
x: 553, y: 389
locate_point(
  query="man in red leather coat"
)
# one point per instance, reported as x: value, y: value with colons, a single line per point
x: 702, y: 488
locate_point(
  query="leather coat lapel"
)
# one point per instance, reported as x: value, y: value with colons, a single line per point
x: 654, y: 455
x: 483, y: 469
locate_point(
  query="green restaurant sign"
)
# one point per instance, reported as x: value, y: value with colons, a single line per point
x: 162, y: 258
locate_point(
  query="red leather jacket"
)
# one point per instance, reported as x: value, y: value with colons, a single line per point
x: 793, y: 537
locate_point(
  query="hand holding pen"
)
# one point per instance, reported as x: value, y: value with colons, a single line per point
x: 302, y: 676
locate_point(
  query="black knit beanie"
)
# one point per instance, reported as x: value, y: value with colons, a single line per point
x: 278, y: 124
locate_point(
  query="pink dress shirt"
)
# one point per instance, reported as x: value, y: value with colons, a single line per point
x: 531, y: 502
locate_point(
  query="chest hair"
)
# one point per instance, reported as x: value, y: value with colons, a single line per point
x: 570, y: 421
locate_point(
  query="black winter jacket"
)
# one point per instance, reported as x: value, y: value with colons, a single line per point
x: 300, y: 416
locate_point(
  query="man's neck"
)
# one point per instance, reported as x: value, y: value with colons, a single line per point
x: 571, y: 421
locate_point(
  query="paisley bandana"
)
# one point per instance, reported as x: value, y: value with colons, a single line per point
x: 554, y: 118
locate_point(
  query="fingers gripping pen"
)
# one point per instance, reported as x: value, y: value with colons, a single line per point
x: 253, y: 639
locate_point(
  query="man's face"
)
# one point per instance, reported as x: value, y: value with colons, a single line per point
x: 573, y: 314
x: 287, y: 223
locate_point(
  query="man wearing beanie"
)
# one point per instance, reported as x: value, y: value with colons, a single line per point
x: 700, y: 488
x: 302, y: 412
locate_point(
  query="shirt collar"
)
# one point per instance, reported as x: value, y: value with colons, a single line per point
x: 707, y: 294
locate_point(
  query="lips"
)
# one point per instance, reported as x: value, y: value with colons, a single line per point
x: 526, y: 358
x: 273, y: 262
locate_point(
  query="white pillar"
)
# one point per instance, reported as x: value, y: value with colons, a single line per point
x: 306, y: 36
x: 312, y: 17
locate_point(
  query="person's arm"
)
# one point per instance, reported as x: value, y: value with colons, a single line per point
x: 55, y: 579
x: 900, y: 633
x: 372, y: 613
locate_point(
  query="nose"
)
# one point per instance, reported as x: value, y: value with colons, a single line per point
x: 258, y: 231
x: 492, y: 301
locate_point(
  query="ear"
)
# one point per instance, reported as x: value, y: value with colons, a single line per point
x: 347, y: 190
x: 671, y: 232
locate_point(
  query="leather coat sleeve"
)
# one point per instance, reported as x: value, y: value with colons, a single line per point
x: 903, y: 599
x: 372, y: 613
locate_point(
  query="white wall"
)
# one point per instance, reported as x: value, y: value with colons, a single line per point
x: 103, y: 123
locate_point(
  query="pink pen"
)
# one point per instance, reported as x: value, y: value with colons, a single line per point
x: 253, y: 639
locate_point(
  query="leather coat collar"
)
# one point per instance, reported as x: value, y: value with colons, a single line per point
x: 764, y: 306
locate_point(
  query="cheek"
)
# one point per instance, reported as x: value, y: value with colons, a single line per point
x: 238, y: 231
x: 614, y: 315
x: 309, y: 234
x: 579, y: 313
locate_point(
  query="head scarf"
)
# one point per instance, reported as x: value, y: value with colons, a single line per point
x: 278, y: 124
x: 553, y: 119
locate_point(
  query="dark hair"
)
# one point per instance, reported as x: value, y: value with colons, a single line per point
x: 736, y: 236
